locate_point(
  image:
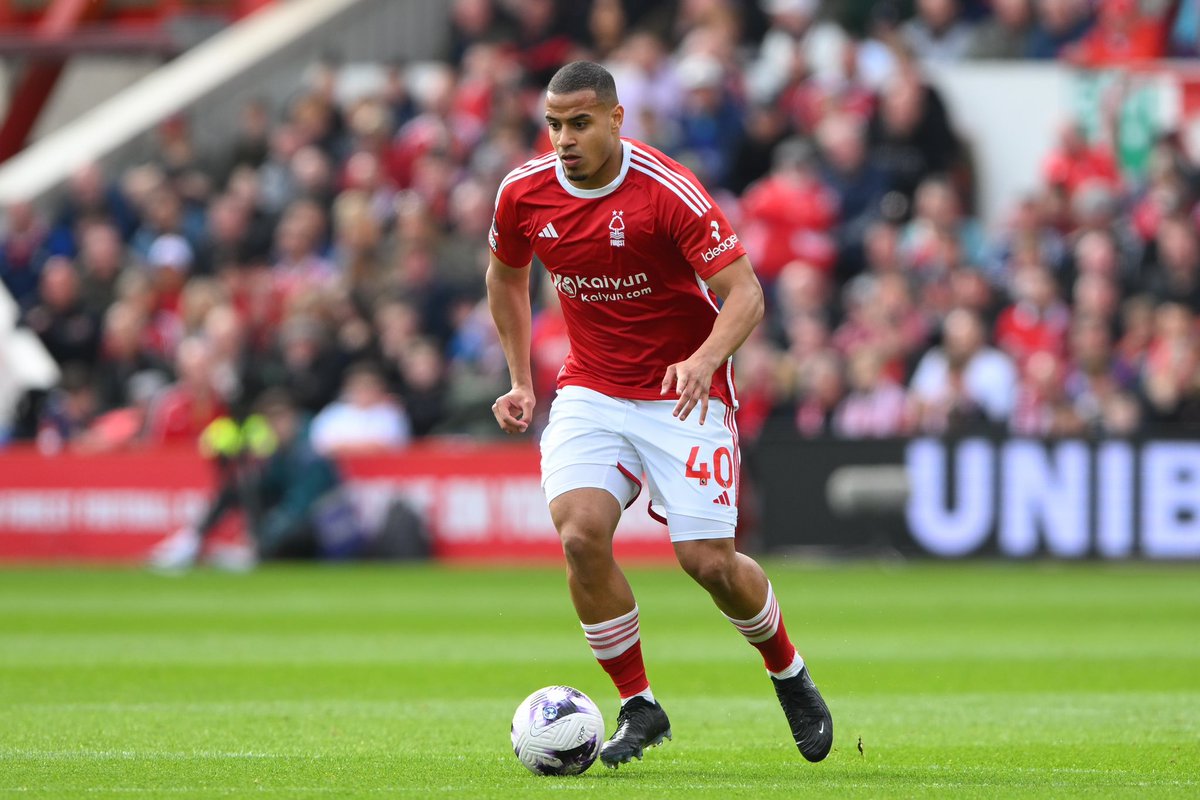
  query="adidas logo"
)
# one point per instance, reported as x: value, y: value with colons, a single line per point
x: 548, y: 232
x: 723, y: 499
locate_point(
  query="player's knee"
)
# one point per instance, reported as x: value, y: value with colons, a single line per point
x: 584, y: 544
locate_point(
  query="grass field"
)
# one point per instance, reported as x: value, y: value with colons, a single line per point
x: 962, y: 681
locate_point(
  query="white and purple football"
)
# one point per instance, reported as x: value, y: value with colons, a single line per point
x: 557, y: 731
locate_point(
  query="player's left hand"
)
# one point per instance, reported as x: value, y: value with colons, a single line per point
x: 692, y: 380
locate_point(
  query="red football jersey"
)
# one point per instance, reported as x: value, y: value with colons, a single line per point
x: 629, y: 261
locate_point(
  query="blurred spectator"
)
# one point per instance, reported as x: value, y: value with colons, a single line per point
x: 964, y: 382
x: 607, y: 26
x: 1075, y: 161
x: 124, y: 356
x: 235, y: 370
x: 856, y: 180
x: 231, y: 240
x: 305, y: 364
x: 69, y: 410
x: 1123, y: 34
x: 23, y: 245
x: 938, y: 216
x: 69, y: 331
x: 876, y: 406
x: 300, y: 265
x: 1042, y: 407
x: 821, y: 387
x: 1059, y: 23
x: 364, y: 419
x: 802, y: 290
x: 475, y: 21
x: 709, y: 121
x: 162, y: 215
x: 795, y: 46
x: 102, y: 259
x: 766, y: 129
x: 1028, y: 238
x: 1168, y: 375
x: 881, y: 248
x: 1137, y: 330
x: 169, y: 263
x: 788, y: 214
x: 89, y: 197
x: 186, y: 407
x: 1097, y: 297
x: 911, y: 138
x: 357, y: 239
x: 649, y: 88
x: 1174, y: 277
x: 1006, y: 35
x: 880, y: 316
x: 1168, y: 189
x: 540, y: 39
x: 1097, y: 376
x: 251, y: 140
x: 938, y: 32
x: 1037, y: 320
x: 424, y: 386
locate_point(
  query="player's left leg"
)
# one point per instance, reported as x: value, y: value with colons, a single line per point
x: 692, y: 472
x: 740, y: 589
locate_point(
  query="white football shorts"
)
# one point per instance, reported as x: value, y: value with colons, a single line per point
x: 692, y: 470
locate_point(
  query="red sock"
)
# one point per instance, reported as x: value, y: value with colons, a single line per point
x: 765, y: 631
x: 617, y: 646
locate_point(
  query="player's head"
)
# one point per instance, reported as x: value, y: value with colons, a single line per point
x: 585, y: 123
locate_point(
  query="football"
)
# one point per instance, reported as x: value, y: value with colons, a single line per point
x: 557, y: 731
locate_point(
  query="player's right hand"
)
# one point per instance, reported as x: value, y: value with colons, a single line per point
x: 514, y: 410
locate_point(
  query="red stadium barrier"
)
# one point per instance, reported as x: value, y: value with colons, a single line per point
x: 481, y: 502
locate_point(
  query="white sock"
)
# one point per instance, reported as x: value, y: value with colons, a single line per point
x: 649, y: 695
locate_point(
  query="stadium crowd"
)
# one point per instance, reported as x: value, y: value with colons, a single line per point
x: 336, y: 246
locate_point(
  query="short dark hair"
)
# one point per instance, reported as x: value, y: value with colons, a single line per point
x: 580, y: 76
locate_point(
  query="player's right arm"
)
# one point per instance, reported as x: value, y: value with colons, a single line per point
x: 508, y: 299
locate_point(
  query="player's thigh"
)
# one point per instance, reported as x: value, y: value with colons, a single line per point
x: 583, y: 448
x: 692, y: 468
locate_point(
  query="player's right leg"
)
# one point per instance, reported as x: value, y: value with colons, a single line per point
x: 586, y: 519
x: 587, y: 474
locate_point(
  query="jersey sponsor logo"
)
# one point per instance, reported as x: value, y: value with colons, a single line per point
x: 716, y: 231
x: 548, y: 232
x: 616, y: 229
x: 492, y: 234
x: 603, y: 288
x: 731, y: 241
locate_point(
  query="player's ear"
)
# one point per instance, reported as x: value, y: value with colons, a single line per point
x: 617, y: 117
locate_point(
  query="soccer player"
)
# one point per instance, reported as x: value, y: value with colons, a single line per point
x: 636, y: 249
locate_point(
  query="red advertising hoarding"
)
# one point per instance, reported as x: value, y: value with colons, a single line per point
x: 480, y: 502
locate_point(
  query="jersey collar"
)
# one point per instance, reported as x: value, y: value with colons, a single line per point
x: 575, y: 191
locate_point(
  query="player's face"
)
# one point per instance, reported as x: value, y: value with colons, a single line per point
x: 586, y: 134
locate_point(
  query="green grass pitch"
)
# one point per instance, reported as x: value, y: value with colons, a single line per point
x: 962, y: 680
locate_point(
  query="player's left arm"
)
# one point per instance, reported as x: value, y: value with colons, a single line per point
x: 741, y: 310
